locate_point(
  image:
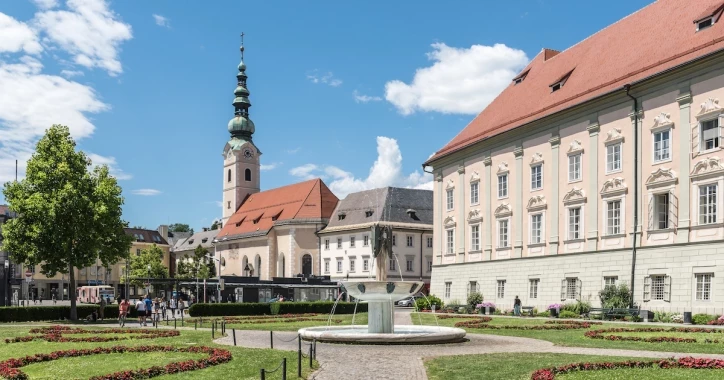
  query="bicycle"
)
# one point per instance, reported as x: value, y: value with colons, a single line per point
x: 122, y: 319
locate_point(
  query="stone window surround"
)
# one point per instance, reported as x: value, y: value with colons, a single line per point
x: 581, y: 222
x: 480, y: 230
x: 709, y: 110
x: 705, y: 271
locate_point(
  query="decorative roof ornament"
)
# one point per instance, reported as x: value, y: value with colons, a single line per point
x: 575, y: 147
x: 710, y: 106
x: 241, y: 127
x: 662, y: 120
x: 614, y: 135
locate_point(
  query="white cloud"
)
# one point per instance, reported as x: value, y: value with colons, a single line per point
x: 294, y: 151
x: 361, y: 98
x: 112, y: 166
x: 327, y: 78
x: 46, y: 4
x: 268, y: 167
x: 16, y: 36
x: 385, y: 171
x: 89, y: 31
x: 71, y: 73
x: 146, y: 192
x: 162, y: 21
x: 461, y: 81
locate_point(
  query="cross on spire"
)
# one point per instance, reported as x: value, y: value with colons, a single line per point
x: 242, y: 45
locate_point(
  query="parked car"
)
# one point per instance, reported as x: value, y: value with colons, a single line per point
x: 407, y: 302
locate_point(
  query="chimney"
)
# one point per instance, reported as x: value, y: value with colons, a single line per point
x: 549, y: 53
x: 163, y: 230
x: 205, y: 229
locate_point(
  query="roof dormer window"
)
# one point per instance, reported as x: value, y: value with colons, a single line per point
x: 557, y: 85
x: 520, y: 78
x: 368, y: 213
x: 191, y: 241
x: 341, y: 216
x: 705, y: 23
x: 204, y: 240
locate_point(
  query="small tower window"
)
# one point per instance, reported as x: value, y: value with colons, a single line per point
x: 228, y: 176
x: 228, y: 204
x: 247, y: 175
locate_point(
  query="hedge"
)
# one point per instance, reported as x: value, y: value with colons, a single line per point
x: 229, y: 309
x: 44, y: 313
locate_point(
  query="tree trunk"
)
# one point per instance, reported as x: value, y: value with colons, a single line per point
x: 71, y: 294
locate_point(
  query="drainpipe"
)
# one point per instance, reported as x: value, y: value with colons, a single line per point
x: 636, y: 189
x: 421, y: 254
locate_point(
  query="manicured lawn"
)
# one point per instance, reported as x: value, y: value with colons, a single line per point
x: 652, y: 373
x: 576, y: 337
x: 276, y: 323
x: 244, y: 365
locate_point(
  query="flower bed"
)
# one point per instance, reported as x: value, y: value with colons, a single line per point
x: 688, y: 362
x: 262, y: 320
x: 486, y: 319
x: 56, y: 334
x: 600, y: 334
x: 589, y: 323
x: 480, y: 324
x: 9, y: 368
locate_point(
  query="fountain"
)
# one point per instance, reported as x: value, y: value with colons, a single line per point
x: 381, y: 295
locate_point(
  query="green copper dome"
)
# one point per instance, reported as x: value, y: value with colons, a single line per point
x: 241, y: 126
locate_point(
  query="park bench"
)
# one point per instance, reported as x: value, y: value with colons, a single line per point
x: 595, y: 312
x: 528, y: 310
x: 612, y: 312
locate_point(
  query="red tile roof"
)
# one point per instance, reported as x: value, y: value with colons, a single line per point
x: 656, y: 38
x: 305, y: 200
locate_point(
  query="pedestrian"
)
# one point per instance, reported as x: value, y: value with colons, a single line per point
x: 35, y: 296
x: 173, y: 307
x: 516, y: 306
x: 102, y: 308
x: 123, y: 309
x: 157, y: 310
x: 181, y: 307
x: 163, y: 307
x: 141, y: 311
x: 54, y: 300
x: 42, y: 295
x: 149, y: 306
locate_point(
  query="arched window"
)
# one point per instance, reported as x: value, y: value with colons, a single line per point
x: 307, y: 265
x: 280, y: 265
x: 247, y: 175
x: 228, y: 176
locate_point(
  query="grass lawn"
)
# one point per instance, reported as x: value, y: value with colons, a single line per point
x: 245, y: 364
x: 521, y: 365
x: 280, y: 324
x: 575, y: 338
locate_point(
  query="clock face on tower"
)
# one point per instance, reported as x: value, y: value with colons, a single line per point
x: 248, y: 154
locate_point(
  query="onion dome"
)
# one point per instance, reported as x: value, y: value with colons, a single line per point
x: 241, y: 125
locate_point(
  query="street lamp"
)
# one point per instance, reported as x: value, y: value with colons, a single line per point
x: 149, y: 279
x: 7, y: 280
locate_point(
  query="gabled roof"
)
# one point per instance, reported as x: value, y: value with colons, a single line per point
x: 305, y: 201
x: 654, y: 39
x: 146, y: 236
x: 204, y: 239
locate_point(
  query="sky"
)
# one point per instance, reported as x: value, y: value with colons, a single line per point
x: 358, y: 93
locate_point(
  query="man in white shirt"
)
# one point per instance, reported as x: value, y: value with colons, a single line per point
x: 141, y: 310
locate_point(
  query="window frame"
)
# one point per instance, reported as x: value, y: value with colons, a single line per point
x: 621, y: 216
x: 541, y: 232
x: 340, y: 266
x: 618, y: 144
x: 352, y: 241
x: 409, y: 264
x: 339, y: 243
x: 697, y: 291
x: 700, y: 28
x: 410, y: 241
x: 504, y: 189
x: 656, y: 222
x: 366, y: 240
x: 352, y: 264
x: 450, y: 241
x: 500, y: 289
x: 581, y: 220
x: 365, y: 264
x: 448, y: 288
x: 715, y: 203
x: 392, y: 265
x: 429, y: 242
x: 606, y: 282
x: 450, y: 199
x: 717, y: 127
x: 574, y: 281
x: 662, y: 287
x: 507, y: 233
x: 326, y: 244
x: 654, y: 159
x: 475, y: 237
x: 579, y: 157
x: 326, y: 265
x: 475, y: 193
x: 538, y: 181
x: 533, y: 284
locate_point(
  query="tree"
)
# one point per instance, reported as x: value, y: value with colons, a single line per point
x: 68, y: 216
x: 179, y: 227
x: 183, y: 270
x: 201, y: 263
x: 215, y: 225
x: 139, y: 272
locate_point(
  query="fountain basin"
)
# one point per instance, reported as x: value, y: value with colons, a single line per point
x: 392, y: 291
x: 404, y: 334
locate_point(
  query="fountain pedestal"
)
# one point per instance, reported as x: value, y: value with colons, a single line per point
x: 380, y: 317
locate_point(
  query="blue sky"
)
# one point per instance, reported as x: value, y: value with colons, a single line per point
x: 359, y: 93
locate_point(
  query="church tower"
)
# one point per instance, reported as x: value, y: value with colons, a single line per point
x: 241, y: 156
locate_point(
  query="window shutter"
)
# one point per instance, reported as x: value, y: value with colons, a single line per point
x: 652, y: 201
x: 647, y: 289
x: 579, y: 287
x: 563, y: 289
x: 673, y: 211
x: 720, y: 130
x: 667, y: 288
x: 694, y: 140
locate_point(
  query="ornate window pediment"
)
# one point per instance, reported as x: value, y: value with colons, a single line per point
x: 450, y: 184
x: 475, y: 215
x: 661, y: 176
x: 614, y: 186
x: 536, y: 159
x: 662, y: 120
x: 449, y: 221
x: 503, y: 210
x: 709, y: 107
x: 707, y: 166
x: 475, y: 177
x: 537, y: 202
x: 575, y: 147
x: 614, y: 136
x: 576, y: 195
x: 503, y: 168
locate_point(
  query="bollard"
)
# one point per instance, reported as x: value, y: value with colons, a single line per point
x: 261, y: 374
x: 310, y: 356
x: 314, y: 343
x: 174, y: 323
x: 284, y: 368
x: 233, y: 333
x: 212, y: 333
x: 299, y: 356
x: 271, y: 339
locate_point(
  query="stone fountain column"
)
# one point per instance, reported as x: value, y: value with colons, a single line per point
x: 381, y: 314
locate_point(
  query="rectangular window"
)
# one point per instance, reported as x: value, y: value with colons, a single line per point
x: 351, y: 265
x: 351, y: 241
x: 339, y: 243
x: 533, y: 284
x: 365, y: 265
x: 366, y: 241
x: 429, y: 242
x: 409, y: 240
x: 503, y: 186
x: 707, y: 204
x: 138, y: 251
x: 574, y: 167
x: 572, y: 288
x: 661, y: 207
x: 326, y: 266
x: 574, y: 223
x: 450, y: 241
x: 474, y: 187
x: 450, y: 200
x: 613, y: 158
x: 662, y: 146
x: 610, y: 280
x: 472, y: 287
x: 658, y: 287
x: 394, y: 240
x: 429, y: 265
x: 703, y: 287
x: 339, y: 266
x: 501, y: 288
x: 536, y: 228
x: 475, y: 237
x: 613, y: 218
x: 448, y: 285
x: 393, y: 266
x: 536, y: 177
x: 409, y: 265
x: 709, y: 134
x: 326, y: 243
x: 503, y: 233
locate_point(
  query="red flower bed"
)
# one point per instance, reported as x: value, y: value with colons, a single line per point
x: 56, y: 334
x: 601, y: 334
x: 688, y: 362
x: 480, y: 324
x: 9, y: 368
x: 453, y: 316
x: 589, y: 323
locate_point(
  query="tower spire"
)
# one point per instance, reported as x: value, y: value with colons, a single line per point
x: 241, y: 126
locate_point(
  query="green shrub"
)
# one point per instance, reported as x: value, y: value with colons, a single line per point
x: 229, y: 309
x: 663, y: 317
x: 43, y: 313
x: 474, y: 299
x: 615, y: 296
x: 578, y: 308
x: 425, y: 303
x: 274, y: 307
x: 702, y: 319
x: 543, y: 314
x: 569, y: 314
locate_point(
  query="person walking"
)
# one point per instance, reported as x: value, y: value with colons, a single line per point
x: 149, y: 307
x: 163, y: 308
x: 516, y: 306
x: 54, y: 300
x: 141, y: 311
x: 181, y: 307
x: 157, y: 310
x: 101, y: 311
x: 123, y: 309
x: 173, y: 303
x: 42, y: 295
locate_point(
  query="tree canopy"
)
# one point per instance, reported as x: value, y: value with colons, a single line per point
x: 139, y: 273
x: 180, y: 227
x: 68, y: 215
x: 196, y: 266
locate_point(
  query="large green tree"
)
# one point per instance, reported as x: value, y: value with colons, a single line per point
x: 68, y: 214
x: 139, y: 273
x: 180, y: 227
